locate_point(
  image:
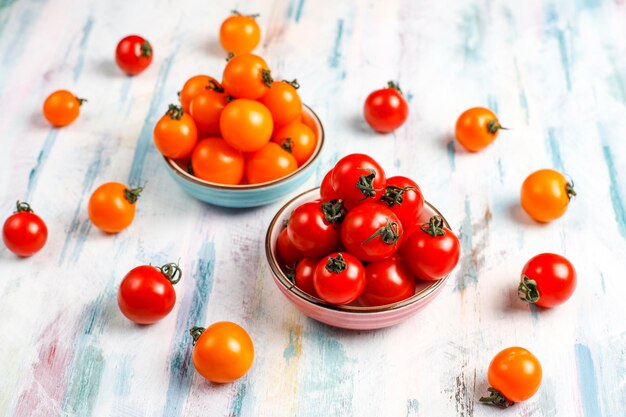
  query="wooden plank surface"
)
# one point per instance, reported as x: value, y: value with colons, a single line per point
x: 554, y: 71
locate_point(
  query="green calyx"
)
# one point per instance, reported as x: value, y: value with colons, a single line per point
x: 569, y: 189
x: 172, y: 272
x: 146, y: 49
x: 132, y: 195
x: 266, y: 77
x: 287, y: 144
x: 434, y: 227
x: 389, y: 234
x: 365, y: 183
x: 294, y: 83
x: 22, y: 207
x: 229, y: 56
x: 80, y: 100
x: 494, y: 125
x: 336, y: 264
x: 175, y: 112
x: 196, y: 332
x: 214, y: 85
x: 393, y: 195
x: 496, y: 398
x: 394, y: 86
x: 334, y: 211
x: 237, y: 13
x: 527, y: 290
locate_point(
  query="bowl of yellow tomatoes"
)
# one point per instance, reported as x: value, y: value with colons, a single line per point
x: 243, y: 142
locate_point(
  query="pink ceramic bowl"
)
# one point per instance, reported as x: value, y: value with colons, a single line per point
x: 348, y: 316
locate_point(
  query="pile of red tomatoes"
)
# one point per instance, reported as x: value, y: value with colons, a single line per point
x: 363, y: 240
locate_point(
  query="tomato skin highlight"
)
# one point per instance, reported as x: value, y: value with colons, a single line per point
x: 476, y: 128
x: 109, y: 208
x: 515, y: 373
x: 362, y: 232
x: 269, y: 163
x: 388, y: 281
x: 431, y: 257
x: 133, y: 54
x: 554, y: 280
x: 287, y: 252
x: 305, y: 271
x: 24, y: 233
x: 214, y: 160
x: 546, y: 194
x: 223, y: 352
x: 246, y: 125
x: 340, y: 287
x: 386, y: 109
x: 61, y: 108
x: 239, y: 34
x: 310, y: 233
x: 146, y: 295
x: 347, y: 175
x: 407, y: 205
x: 244, y: 77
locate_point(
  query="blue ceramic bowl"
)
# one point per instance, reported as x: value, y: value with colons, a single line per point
x: 250, y: 195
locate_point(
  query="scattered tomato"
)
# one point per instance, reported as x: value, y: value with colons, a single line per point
x: 548, y: 280
x: 546, y: 194
x: 388, y: 281
x: 433, y: 251
x: 112, y: 206
x: 357, y: 177
x: 305, y: 270
x: 339, y: 278
x: 194, y: 86
x: 299, y: 140
x: 62, y: 107
x: 313, y: 228
x: 283, y: 101
x: 386, y: 109
x: 206, y: 108
x: 146, y: 293
x: 133, y: 54
x: 247, y: 76
x: 404, y: 197
x: 223, y: 352
x: 246, y: 125
x: 24, y: 233
x: 215, y: 160
x: 240, y: 34
x: 269, y: 163
x: 514, y: 375
x: 175, y: 134
x: 476, y: 128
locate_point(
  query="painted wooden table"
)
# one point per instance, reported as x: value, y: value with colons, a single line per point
x: 554, y: 71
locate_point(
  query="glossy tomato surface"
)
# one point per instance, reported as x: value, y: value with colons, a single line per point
x: 133, y: 54
x: 24, y: 233
x: 548, y: 280
x: 339, y: 278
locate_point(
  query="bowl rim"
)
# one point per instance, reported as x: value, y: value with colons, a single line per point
x: 239, y: 187
x: 289, y: 286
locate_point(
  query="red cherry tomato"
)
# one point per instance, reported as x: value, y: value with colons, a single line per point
x: 386, y: 109
x: 339, y: 278
x: 327, y: 192
x: 305, y: 270
x: 388, y: 281
x: 548, y: 280
x: 313, y: 228
x: 432, y: 251
x: 287, y: 252
x: 403, y: 196
x: 133, y: 54
x: 357, y: 177
x: 371, y: 232
x: 24, y: 233
x: 146, y: 293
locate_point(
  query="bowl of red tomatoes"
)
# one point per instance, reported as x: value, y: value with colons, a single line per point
x: 243, y: 142
x: 363, y: 251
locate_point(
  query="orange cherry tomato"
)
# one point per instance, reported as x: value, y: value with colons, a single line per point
x: 112, y: 206
x: 283, y: 101
x: 193, y: 87
x: 476, y: 128
x: 175, y: 134
x: 240, y: 34
x: 269, y: 163
x: 247, y: 76
x: 546, y: 194
x: 206, y: 108
x: 246, y: 125
x: 62, y: 107
x: 223, y: 352
x: 215, y: 160
x: 514, y: 375
x: 298, y: 139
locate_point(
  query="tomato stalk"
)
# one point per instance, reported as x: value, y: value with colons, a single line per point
x: 132, y: 195
x: 393, y: 195
x: 146, y: 49
x: 569, y: 189
x: 196, y: 332
x: 388, y: 234
x: 237, y: 13
x: 172, y: 272
x: 174, y: 111
x: 334, y: 211
x: 527, y: 290
x: 336, y: 264
x: 22, y: 206
x: 394, y: 85
x: 496, y: 398
x: 266, y: 76
x: 80, y: 100
x: 229, y: 56
x: 294, y: 83
x: 214, y: 85
x: 287, y: 144
x: 434, y: 227
x: 494, y: 125
x: 365, y: 184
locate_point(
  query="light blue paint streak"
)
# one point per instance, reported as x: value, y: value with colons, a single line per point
x: 35, y: 172
x: 237, y: 402
x: 335, y: 56
x: 123, y: 377
x: 492, y: 104
x: 294, y: 10
x: 468, y: 274
x: 471, y: 31
x: 412, y: 407
x: 500, y: 170
x: 82, y: 48
x: 156, y: 110
x: 589, y: 4
x: 602, y: 283
x: 553, y: 29
x: 290, y: 350
x: 588, y: 382
x: 555, y: 151
x: 191, y: 313
x: 451, y: 152
x: 616, y: 198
